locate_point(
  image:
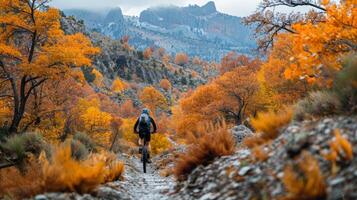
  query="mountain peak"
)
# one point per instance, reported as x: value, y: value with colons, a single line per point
x: 210, y: 6
x: 114, y: 15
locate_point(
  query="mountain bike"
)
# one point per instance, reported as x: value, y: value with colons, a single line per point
x: 144, y: 150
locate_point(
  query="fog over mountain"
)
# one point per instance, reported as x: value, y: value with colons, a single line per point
x: 197, y: 30
x: 130, y: 7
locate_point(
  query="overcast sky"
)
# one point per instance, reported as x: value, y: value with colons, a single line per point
x: 134, y: 7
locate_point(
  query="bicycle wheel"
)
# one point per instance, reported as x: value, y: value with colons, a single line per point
x: 144, y: 157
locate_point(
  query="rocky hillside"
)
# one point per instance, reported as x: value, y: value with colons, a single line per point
x: 116, y: 60
x: 199, y: 31
x: 241, y: 176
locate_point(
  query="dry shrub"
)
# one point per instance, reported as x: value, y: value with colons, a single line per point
x: 18, y: 185
x: 340, y: 151
x: 270, y: 122
x: 61, y: 174
x: 215, y: 143
x: 303, y: 179
x: 65, y: 174
x: 21, y: 144
x: 86, y: 140
x: 114, y: 169
x: 320, y: 103
x: 345, y: 84
x: 78, y: 150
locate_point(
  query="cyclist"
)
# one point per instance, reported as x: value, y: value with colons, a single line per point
x: 143, y: 127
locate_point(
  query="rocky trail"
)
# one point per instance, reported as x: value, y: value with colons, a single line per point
x: 148, y: 185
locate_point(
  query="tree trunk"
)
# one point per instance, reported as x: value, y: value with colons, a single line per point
x: 66, y: 130
x: 19, y: 104
x: 16, y: 117
x: 239, y: 116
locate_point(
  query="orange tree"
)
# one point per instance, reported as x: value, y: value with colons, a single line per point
x: 153, y: 99
x: 34, y: 49
x: 317, y: 39
x: 239, y: 88
x: 181, y: 59
x: 165, y: 84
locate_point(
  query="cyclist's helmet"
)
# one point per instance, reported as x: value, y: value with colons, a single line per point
x: 146, y: 111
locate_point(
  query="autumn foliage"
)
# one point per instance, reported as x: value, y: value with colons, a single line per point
x: 165, y: 84
x: 44, y: 54
x: 181, y: 59
x: 118, y: 85
x: 215, y: 142
x: 269, y: 123
x: 147, y: 53
x: 340, y: 151
x: 61, y: 174
x: 153, y: 99
x: 303, y: 179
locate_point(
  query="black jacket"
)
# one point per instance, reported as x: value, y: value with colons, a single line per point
x: 137, y: 124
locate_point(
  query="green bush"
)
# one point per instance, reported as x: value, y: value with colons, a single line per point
x: 21, y: 144
x: 320, y: 103
x: 345, y: 84
x: 86, y: 140
x: 78, y: 150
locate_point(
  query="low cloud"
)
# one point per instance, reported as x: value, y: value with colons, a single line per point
x: 134, y: 7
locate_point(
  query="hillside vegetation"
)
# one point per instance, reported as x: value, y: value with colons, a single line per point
x: 279, y: 126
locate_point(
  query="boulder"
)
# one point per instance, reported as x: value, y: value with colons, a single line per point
x: 240, y: 132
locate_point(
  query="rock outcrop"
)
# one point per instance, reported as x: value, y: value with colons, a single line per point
x: 197, y: 30
x: 240, y: 132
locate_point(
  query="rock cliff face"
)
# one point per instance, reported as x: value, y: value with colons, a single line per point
x: 198, y: 30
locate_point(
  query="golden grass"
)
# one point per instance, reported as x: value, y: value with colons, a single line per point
x: 61, y: 174
x: 215, y: 143
x: 18, y: 185
x: 340, y: 150
x: 269, y: 123
x: 303, y: 179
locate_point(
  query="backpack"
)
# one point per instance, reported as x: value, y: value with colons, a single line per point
x: 144, y: 123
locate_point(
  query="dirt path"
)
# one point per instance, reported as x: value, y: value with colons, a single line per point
x: 149, y: 186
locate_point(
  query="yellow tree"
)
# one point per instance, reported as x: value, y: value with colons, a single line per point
x: 153, y: 99
x: 317, y: 47
x: 118, y: 85
x: 94, y: 119
x: 317, y: 40
x: 272, y: 75
x: 33, y: 49
x: 98, y: 81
